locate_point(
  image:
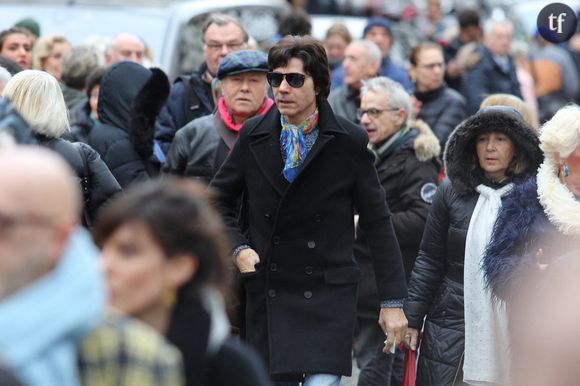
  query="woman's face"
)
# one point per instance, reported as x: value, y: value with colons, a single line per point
x: 335, y: 46
x: 18, y: 47
x: 495, y: 151
x: 572, y: 181
x: 94, y: 100
x: 52, y: 64
x: 137, y: 269
x: 429, y: 71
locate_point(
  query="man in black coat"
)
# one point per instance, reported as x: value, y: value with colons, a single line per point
x: 407, y: 164
x: 191, y: 96
x: 304, y: 173
x: 496, y: 72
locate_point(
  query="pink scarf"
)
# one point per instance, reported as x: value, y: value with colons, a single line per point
x: 226, y: 116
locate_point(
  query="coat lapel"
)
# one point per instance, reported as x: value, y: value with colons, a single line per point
x: 265, y: 146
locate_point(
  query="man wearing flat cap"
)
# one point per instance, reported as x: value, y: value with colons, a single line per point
x: 201, y: 146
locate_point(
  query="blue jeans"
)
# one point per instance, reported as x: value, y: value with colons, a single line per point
x: 321, y: 380
x: 315, y: 380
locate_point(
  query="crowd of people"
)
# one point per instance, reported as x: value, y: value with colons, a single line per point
x: 277, y: 213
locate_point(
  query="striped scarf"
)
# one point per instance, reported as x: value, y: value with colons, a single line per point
x: 293, y: 143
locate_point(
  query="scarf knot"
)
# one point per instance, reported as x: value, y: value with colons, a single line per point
x: 294, y: 144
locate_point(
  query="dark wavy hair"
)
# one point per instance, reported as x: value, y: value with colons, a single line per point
x: 181, y: 220
x: 311, y: 53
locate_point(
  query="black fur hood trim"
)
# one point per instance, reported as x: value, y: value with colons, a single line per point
x: 460, y: 157
x: 147, y: 105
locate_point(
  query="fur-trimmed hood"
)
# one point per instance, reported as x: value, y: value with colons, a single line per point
x: 426, y: 144
x: 460, y: 157
x: 130, y: 98
x: 559, y: 203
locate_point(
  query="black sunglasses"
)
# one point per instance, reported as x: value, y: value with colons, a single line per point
x: 294, y: 79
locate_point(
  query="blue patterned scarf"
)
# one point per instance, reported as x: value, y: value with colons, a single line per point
x: 294, y: 145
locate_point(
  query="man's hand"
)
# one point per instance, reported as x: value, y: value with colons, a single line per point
x: 246, y: 260
x: 394, y: 324
x: 412, y: 338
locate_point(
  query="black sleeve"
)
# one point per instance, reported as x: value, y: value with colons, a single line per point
x: 430, y: 266
x: 103, y: 184
x: 375, y: 221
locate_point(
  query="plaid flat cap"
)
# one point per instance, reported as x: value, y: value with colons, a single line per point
x: 238, y: 62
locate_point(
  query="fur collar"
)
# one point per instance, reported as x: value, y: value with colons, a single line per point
x: 426, y: 144
x: 461, y: 160
x: 562, y: 209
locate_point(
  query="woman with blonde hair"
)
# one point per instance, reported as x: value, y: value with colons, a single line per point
x: 513, y: 101
x: 38, y: 97
x: 48, y: 54
x: 539, y: 221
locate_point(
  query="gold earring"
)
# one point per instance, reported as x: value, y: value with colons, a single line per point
x: 169, y: 298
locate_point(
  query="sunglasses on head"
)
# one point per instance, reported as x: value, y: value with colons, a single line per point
x: 294, y: 79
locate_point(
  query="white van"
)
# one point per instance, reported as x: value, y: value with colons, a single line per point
x: 171, y: 28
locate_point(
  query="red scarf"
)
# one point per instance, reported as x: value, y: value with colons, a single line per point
x: 226, y: 116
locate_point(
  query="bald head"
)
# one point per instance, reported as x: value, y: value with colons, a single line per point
x: 39, y: 181
x: 126, y: 46
x: 39, y: 208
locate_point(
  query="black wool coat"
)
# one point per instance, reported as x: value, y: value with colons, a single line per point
x: 301, y: 301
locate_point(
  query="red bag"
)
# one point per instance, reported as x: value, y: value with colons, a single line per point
x: 410, y: 367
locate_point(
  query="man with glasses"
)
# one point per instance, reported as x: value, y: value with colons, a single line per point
x: 191, y: 96
x: 407, y: 164
x: 303, y: 172
x: 362, y: 60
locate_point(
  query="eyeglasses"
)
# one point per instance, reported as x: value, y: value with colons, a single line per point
x: 432, y: 66
x: 230, y: 46
x: 372, y: 112
x: 294, y: 79
x: 8, y: 222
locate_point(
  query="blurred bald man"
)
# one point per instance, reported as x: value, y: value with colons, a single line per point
x: 52, y: 293
x: 125, y: 46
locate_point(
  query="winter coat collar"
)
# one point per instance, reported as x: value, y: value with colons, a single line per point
x: 559, y: 203
x: 460, y: 157
x: 429, y: 96
x: 421, y: 140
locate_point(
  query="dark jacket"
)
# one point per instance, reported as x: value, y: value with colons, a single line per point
x: 102, y: 185
x: 486, y: 78
x: 79, y: 132
x: 409, y: 176
x: 190, y: 98
x: 211, y: 358
x: 199, y: 148
x: 130, y: 98
x: 436, y: 285
x: 301, y: 301
x: 443, y: 109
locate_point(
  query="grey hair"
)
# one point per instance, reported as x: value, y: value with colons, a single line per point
x: 38, y: 98
x: 374, y: 54
x: 397, y: 96
x: 489, y: 24
x: 222, y: 19
x: 77, y: 64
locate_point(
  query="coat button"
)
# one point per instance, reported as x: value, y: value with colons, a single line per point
x: 317, y: 218
x: 267, y: 216
x: 276, y: 240
x: 311, y: 244
x: 273, y: 267
x: 272, y: 293
x: 307, y: 294
x: 308, y: 270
